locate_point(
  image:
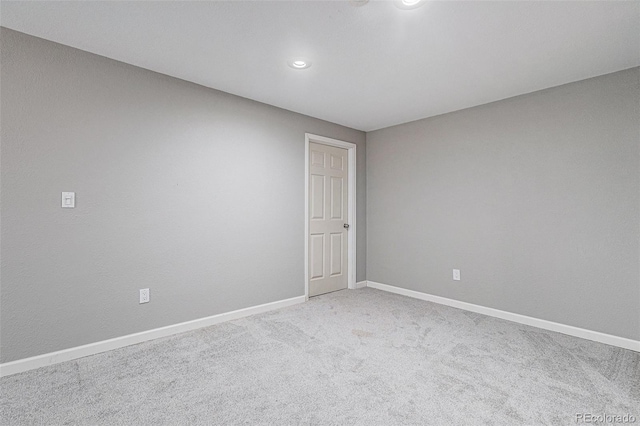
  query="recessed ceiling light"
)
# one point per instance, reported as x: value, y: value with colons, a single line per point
x: 409, y: 4
x: 299, y: 63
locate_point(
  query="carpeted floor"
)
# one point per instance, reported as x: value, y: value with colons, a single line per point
x: 352, y: 357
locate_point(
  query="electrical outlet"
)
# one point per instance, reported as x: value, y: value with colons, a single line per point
x: 144, y: 295
x: 456, y: 274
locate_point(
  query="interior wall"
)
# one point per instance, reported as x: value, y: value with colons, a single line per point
x: 536, y: 199
x: 191, y: 192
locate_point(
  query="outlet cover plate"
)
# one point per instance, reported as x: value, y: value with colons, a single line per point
x: 144, y: 295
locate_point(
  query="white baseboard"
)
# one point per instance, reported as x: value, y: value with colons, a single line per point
x: 361, y: 284
x: 44, y: 360
x: 596, y: 336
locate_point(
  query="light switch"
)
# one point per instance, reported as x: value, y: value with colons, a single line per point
x: 68, y: 200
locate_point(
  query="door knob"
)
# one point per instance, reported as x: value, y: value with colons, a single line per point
x: 345, y: 226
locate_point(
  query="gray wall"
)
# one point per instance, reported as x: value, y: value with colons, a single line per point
x: 194, y: 193
x: 535, y: 198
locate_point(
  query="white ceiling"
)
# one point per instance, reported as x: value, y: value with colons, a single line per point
x: 373, y: 66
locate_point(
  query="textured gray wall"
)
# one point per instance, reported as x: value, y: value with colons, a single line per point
x: 535, y: 198
x: 194, y: 193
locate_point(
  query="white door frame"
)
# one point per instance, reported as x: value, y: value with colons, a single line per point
x: 351, y: 216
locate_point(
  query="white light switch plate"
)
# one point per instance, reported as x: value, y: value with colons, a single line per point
x: 456, y: 274
x: 68, y: 200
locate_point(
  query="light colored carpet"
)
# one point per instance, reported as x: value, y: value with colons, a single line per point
x: 351, y: 357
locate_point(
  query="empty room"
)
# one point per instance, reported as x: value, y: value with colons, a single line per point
x: 350, y: 212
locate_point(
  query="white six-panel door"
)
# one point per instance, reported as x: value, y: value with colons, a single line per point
x: 328, y: 213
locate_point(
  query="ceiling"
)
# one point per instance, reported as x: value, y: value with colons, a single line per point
x: 374, y: 65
